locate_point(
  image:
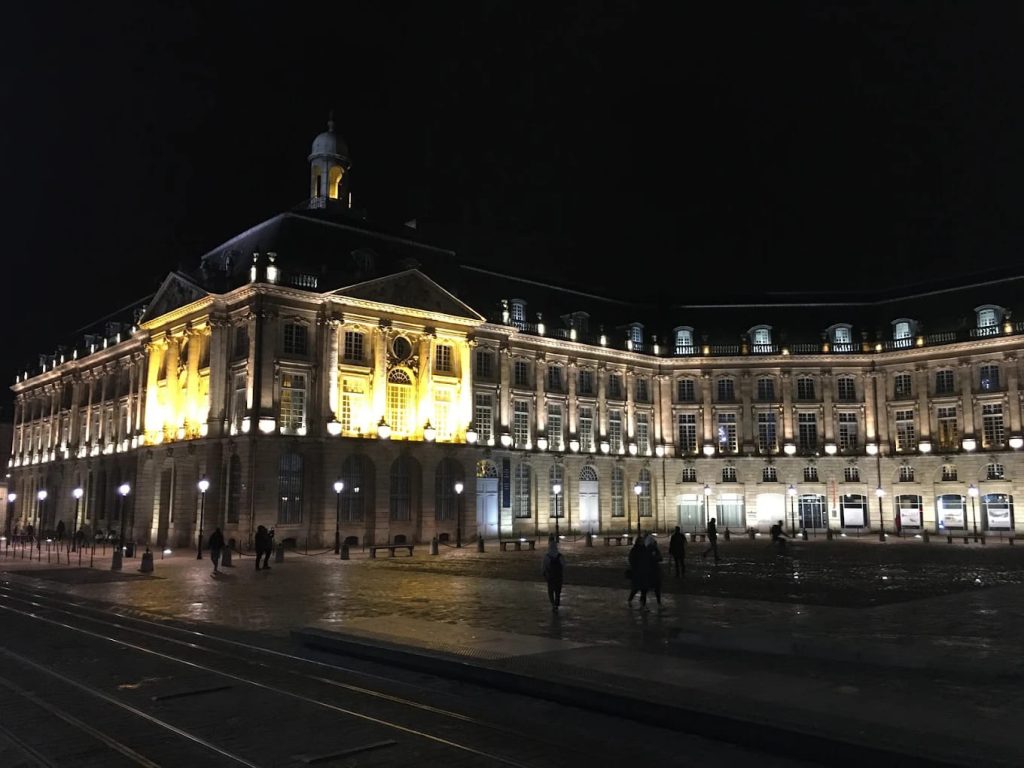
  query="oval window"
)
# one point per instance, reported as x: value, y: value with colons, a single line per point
x: 402, y: 348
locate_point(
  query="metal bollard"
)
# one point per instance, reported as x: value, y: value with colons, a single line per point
x: 146, y: 566
x: 279, y: 554
x: 926, y: 536
x: 479, y: 543
x: 433, y: 546
x: 344, y: 551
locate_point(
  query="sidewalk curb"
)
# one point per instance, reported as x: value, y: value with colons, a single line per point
x: 760, y: 736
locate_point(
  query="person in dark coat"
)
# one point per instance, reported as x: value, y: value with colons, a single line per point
x: 216, y: 545
x: 553, y: 569
x: 261, y: 544
x: 60, y: 530
x: 268, y: 550
x: 677, y: 549
x: 712, y: 540
x: 639, y: 572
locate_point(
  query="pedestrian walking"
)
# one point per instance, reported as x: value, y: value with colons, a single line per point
x: 216, y: 546
x: 654, y: 564
x: 269, y: 549
x: 60, y: 530
x: 712, y: 539
x: 677, y: 550
x: 262, y: 545
x: 639, y: 572
x: 553, y: 569
x: 779, y: 538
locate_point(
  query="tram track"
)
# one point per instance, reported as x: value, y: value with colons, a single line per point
x: 279, y: 676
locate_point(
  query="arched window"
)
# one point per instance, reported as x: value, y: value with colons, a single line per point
x: 400, y: 504
x: 987, y: 317
x: 997, y: 512
x: 486, y: 468
x: 618, y: 506
x: 234, y: 490
x: 352, y: 475
x: 588, y: 473
x: 901, y: 329
x: 841, y: 335
x: 761, y: 336
x: 646, y: 509
x: 684, y: 340
x: 949, y: 511
x: 636, y: 335
x: 289, y: 487
x: 399, y: 394
x: 446, y: 500
x: 521, y: 491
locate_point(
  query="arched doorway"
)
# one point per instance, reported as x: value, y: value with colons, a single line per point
x: 487, y: 498
x: 590, y: 511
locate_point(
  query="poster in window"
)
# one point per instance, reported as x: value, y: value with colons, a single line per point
x: 853, y: 516
x: 998, y: 517
x: 951, y: 516
x: 910, y: 517
x: 506, y: 483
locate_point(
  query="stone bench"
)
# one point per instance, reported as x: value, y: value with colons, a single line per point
x: 390, y: 548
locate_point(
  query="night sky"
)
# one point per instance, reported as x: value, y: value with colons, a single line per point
x: 766, y: 146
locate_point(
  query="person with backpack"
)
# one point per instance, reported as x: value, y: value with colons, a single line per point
x: 553, y: 570
x: 677, y: 549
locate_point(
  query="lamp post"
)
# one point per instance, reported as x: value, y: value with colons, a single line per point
x: 707, y: 506
x: 637, y: 490
x: 115, y: 562
x: 39, y: 521
x: 792, y: 516
x: 972, y: 491
x: 11, y: 498
x: 556, y: 489
x: 879, y: 492
x: 204, y: 486
x: 458, y: 513
x: 77, y: 493
x: 339, y: 486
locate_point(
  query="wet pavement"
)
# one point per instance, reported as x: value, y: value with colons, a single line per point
x: 910, y: 644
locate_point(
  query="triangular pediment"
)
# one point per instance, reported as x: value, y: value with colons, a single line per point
x: 411, y: 289
x: 176, y: 291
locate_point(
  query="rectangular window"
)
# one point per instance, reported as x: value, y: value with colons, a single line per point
x: 726, y: 390
x: 728, y: 474
x: 241, y: 342
x: 906, y: 474
x: 643, y: 438
x: 851, y: 474
x: 906, y: 431
x: 643, y: 393
x: 483, y: 417
x: 805, y: 388
x: 293, y: 402
x: 726, y: 435
x: 521, y: 423
x: 848, y: 441
x: 618, y: 497
x: 688, y: 475
x: 353, y: 401
x: 949, y: 473
x: 808, y: 431
x: 615, y: 386
x: 810, y: 474
x: 686, y: 432
x: 554, y: 427
x: 484, y: 364
x: 902, y: 386
x: 442, y: 413
x: 989, y: 380
x: 944, y: 383
x: 685, y: 391
x: 521, y: 373
x: 238, y: 402
x: 846, y: 389
x: 398, y: 407
x: 586, y: 382
x: 554, y: 378
x: 295, y: 339
x: 767, y: 436
x: 586, y: 429
x: 949, y: 429
x: 615, y: 431
x: 993, y: 434
x: 289, y: 486
x: 729, y: 511
x: 353, y: 351
x: 766, y: 390
x: 521, y: 492
x: 443, y: 358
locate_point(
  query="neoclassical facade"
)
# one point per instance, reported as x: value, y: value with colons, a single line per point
x: 317, y: 347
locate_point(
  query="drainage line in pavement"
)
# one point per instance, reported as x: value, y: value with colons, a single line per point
x: 199, y: 692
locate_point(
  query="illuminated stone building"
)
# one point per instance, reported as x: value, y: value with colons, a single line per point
x: 318, y: 347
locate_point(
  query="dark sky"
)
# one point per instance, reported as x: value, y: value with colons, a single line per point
x: 741, y: 147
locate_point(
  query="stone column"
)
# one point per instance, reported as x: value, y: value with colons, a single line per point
x: 154, y: 417
x: 787, y: 382
x: 828, y: 410
x: 571, y: 404
x: 504, y: 404
x: 191, y: 410
x: 333, y: 410
x: 747, y: 438
x: 601, y: 427
x: 629, y: 381
x: 90, y: 428
x: 379, y: 352
x: 138, y: 429
x: 540, y: 401
x: 219, y: 331
x: 1013, y: 401
x: 465, y: 394
x: 172, y: 403
x: 924, y: 411
x: 967, y: 398
x: 425, y: 384
x: 708, y: 415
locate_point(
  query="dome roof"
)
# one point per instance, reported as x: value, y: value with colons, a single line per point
x: 329, y: 143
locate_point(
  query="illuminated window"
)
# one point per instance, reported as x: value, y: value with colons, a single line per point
x: 521, y: 423
x: 769, y: 475
x: 846, y: 389
x: 767, y: 436
x: 517, y: 311
x: 949, y: 473
x: 949, y: 428
x: 686, y: 432
x: 636, y: 335
x: 399, y: 394
x: 766, y: 390
x: 353, y: 401
x: 554, y: 427
x: 442, y: 413
x: 293, y: 402
x: 906, y: 474
x: 556, y: 501
x: 989, y: 378
x: 289, y: 486
x: 906, y: 431
x: 645, y: 509
x: 841, y: 335
x: 684, y: 341
x: 729, y: 511
x: 762, y: 336
x: 901, y: 330
x: 295, y: 339
x: 848, y: 441
x: 987, y: 317
x: 993, y: 431
x: 615, y: 431
x: 443, y: 358
x: 688, y: 475
x: 586, y: 428
x: 643, y: 437
x: 851, y: 474
x: 728, y: 474
x: 483, y: 417
x: 618, y: 489
x: 353, y: 351
x: 810, y: 474
x: 995, y: 472
x: 521, y: 491
x: 726, y: 434
x: 685, y: 391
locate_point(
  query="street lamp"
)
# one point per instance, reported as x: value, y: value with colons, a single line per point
x: 339, y: 486
x: 972, y: 491
x: 11, y: 498
x: 792, y: 516
x: 77, y: 493
x: 39, y: 521
x: 115, y: 562
x: 707, y: 506
x: 879, y: 492
x: 637, y: 490
x: 556, y: 489
x: 458, y: 513
x: 204, y: 486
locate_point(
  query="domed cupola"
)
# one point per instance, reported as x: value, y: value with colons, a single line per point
x: 328, y: 168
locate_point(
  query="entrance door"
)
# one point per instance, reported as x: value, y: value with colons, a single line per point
x: 690, y: 507
x: 590, y: 511
x: 487, y: 506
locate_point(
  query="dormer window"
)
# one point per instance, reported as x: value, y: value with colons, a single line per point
x: 636, y: 335
x: 989, y: 317
x: 761, y: 335
x: 517, y: 311
x: 684, y: 340
x: 901, y: 330
x: 842, y: 335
